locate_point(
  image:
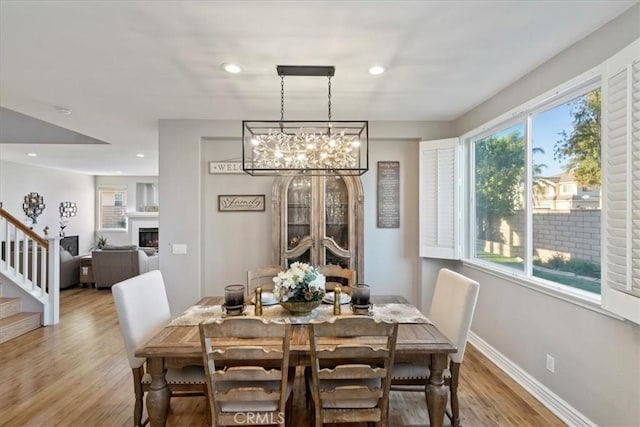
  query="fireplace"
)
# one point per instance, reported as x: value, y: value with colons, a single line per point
x: 148, y: 237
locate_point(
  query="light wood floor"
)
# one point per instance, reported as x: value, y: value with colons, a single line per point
x: 76, y: 374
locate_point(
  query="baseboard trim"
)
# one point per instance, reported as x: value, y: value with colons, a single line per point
x: 548, y: 398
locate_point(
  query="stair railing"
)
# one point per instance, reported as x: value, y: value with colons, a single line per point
x: 32, y: 263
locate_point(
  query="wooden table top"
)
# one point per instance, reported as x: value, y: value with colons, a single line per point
x: 415, y: 340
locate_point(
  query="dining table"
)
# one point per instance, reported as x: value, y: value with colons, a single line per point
x: 178, y: 344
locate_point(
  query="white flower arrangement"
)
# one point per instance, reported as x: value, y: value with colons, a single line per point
x: 301, y: 282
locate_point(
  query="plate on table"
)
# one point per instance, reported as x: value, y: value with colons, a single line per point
x: 344, y: 298
x: 267, y: 299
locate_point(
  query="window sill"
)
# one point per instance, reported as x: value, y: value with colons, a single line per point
x: 577, y: 297
x: 112, y: 230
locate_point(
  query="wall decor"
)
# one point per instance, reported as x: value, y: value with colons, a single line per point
x: 67, y: 210
x: 33, y: 206
x: 388, y: 194
x: 240, y: 203
x: 225, y: 168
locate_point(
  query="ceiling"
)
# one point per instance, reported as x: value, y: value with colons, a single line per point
x: 119, y: 67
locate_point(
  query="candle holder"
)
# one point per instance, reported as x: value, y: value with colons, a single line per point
x: 361, y: 299
x: 234, y: 300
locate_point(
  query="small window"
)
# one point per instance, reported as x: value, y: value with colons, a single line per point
x: 112, y: 209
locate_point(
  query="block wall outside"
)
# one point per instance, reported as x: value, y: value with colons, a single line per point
x: 573, y: 234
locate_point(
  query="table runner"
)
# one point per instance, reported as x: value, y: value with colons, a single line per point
x: 392, y: 312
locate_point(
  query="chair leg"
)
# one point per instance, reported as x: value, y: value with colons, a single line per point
x: 453, y: 391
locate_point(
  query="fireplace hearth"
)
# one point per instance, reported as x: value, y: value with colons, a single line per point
x: 148, y: 237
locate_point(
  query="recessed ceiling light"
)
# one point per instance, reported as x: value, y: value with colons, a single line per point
x: 140, y: 155
x: 376, y: 70
x: 118, y: 172
x: 231, y: 68
x: 32, y: 154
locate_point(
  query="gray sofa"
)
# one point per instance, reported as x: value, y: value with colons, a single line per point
x: 113, y: 264
x: 69, y: 269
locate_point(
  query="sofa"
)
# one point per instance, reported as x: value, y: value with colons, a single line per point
x: 113, y: 264
x: 69, y: 267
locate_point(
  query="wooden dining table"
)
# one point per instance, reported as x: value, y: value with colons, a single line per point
x: 175, y: 346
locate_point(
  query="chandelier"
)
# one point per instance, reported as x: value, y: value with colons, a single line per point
x: 314, y: 147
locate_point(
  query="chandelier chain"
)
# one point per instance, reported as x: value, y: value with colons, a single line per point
x: 282, y: 98
x: 329, y: 77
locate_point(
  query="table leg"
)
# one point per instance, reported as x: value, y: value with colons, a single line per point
x: 436, y: 391
x: 159, y: 393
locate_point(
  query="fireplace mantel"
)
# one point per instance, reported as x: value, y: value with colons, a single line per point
x: 142, y: 214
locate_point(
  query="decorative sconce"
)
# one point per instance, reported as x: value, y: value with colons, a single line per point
x: 68, y: 209
x: 33, y: 205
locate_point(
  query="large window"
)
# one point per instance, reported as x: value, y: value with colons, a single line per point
x: 536, y: 192
x: 112, y: 209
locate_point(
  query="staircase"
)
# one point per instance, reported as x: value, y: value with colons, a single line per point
x: 29, y: 268
x: 14, y: 322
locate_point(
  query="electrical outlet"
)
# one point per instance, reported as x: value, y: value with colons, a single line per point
x: 551, y: 363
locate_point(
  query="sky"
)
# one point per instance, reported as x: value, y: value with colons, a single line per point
x: 546, y: 129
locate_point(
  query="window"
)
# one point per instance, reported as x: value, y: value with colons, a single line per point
x: 521, y: 223
x: 499, y: 199
x: 112, y: 209
x: 541, y: 183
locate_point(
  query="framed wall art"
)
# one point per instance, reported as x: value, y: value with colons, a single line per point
x: 241, y: 202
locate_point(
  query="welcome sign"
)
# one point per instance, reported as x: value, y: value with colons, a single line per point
x: 219, y: 168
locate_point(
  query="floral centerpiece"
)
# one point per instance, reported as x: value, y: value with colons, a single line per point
x: 299, y: 289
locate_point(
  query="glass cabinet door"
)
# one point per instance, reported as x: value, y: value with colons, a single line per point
x: 299, y: 220
x: 336, y: 221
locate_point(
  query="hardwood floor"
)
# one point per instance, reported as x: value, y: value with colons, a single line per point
x: 76, y: 374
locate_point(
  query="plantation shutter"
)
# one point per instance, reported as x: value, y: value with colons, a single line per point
x: 439, y: 193
x: 621, y: 183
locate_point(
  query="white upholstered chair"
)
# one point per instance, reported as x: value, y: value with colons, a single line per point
x: 143, y: 308
x: 452, y: 308
x: 351, y: 360
x: 247, y: 370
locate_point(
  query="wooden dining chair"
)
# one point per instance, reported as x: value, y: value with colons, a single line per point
x: 262, y: 277
x: 336, y: 275
x: 452, y: 308
x: 351, y: 360
x: 143, y: 308
x: 247, y: 371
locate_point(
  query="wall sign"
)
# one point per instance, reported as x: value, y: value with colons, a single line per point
x: 240, y: 203
x: 388, y: 194
x: 218, y: 168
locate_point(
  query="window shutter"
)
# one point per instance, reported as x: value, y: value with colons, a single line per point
x: 621, y: 183
x: 439, y: 193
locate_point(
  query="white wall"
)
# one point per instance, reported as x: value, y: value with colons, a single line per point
x: 597, y: 358
x: 222, y: 246
x: 17, y: 180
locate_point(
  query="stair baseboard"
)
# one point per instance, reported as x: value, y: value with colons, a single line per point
x: 19, y: 324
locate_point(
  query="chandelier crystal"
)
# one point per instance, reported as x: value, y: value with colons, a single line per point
x: 276, y: 147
